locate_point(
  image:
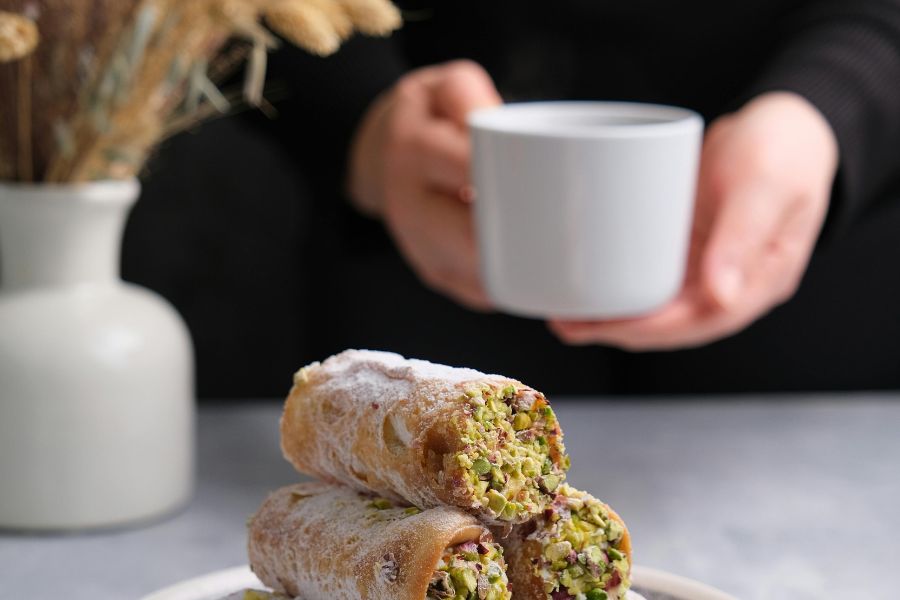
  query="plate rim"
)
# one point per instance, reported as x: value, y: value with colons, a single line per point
x: 657, y: 580
x: 227, y: 581
x: 223, y: 581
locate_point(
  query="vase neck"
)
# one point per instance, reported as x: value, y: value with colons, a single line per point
x: 62, y: 235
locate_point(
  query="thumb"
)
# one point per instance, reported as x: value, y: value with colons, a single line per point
x: 464, y: 87
x: 746, y: 222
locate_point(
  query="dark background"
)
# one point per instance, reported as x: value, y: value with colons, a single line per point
x: 243, y: 227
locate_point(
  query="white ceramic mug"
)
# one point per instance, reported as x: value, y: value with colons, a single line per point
x: 583, y: 209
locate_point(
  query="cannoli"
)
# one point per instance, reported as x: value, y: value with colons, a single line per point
x: 426, y: 434
x: 319, y: 541
x: 579, y: 549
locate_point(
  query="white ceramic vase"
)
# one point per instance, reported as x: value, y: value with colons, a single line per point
x: 96, y: 375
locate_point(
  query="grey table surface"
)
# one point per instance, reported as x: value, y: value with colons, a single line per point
x: 766, y: 498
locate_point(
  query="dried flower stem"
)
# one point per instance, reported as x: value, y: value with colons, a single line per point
x: 18, y: 36
x: 110, y: 78
x: 24, y: 151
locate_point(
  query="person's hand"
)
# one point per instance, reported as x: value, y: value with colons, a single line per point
x: 409, y: 165
x: 765, y: 180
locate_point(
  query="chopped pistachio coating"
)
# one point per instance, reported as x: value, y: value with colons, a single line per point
x: 383, y: 509
x: 582, y: 556
x: 256, y: 595
x: 470, y: 571
x: 381, y: 503
x: 513, y: 457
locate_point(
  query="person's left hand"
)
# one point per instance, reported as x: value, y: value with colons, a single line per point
x: 765, y: 180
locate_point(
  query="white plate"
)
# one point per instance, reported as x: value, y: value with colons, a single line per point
x: 652, y: 584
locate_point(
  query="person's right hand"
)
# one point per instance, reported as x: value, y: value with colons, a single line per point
x: 409, y: 166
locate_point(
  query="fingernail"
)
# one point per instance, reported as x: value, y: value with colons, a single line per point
x: 728, y: 285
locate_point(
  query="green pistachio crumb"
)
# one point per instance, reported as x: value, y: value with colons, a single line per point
x: 510, y: 510
x: 549, y: 483
x: 547, y: 466
x: 596, y: 594
x: 614, y: 531
x: 496, y: 501
x: 497, y: 475
x: 594, y: 554
x: 558, y: 551
x: 521, y: 421
x: 530, y: 467
x: 481, y: 466
x: 464, y: 578
x: 575, y: 571
x: 258, y: 595
x: 381, y: 503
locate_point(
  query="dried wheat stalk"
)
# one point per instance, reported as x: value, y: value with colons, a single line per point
x: 89, y: 87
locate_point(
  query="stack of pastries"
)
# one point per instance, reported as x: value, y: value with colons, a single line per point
x: 435, y: 483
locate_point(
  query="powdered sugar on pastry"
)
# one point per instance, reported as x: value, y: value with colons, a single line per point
x: 318, y: 541
x: 379, y: 422
x: 354, y: 418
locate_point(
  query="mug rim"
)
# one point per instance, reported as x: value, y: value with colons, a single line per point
x: 518, y: 119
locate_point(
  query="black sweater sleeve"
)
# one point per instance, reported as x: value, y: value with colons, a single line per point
x: 320, y: 101
x: 844, y: 57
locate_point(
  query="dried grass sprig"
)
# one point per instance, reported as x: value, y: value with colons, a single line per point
x: 24, y: 148
x: 372, y: 17
x: 109, y: 79
x: 306, y: 25
x: 18, y: 39
x: 18, y: 36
